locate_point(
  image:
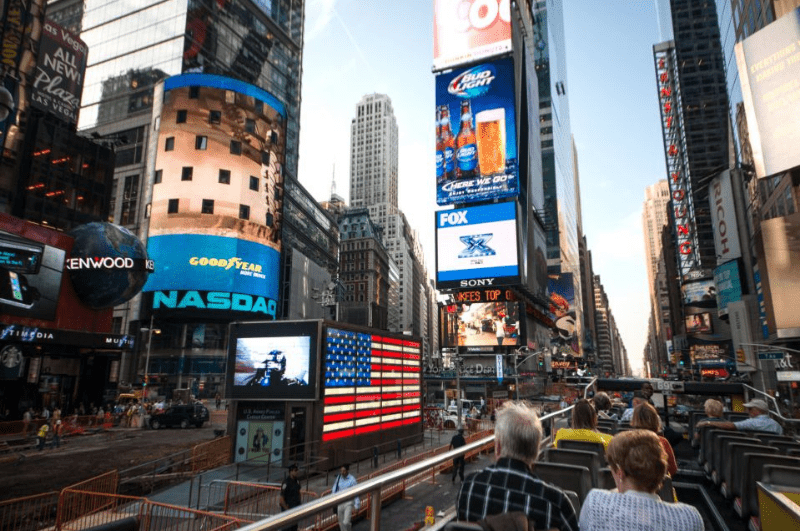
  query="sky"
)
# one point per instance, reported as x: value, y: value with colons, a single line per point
x: 353, y: 48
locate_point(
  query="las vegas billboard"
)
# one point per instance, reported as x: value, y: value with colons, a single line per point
x: 476, y: 146
x: 469, y: 30
x: 217, y: 201
x: 477, y: 246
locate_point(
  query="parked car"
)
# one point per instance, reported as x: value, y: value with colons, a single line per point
x: 180, y: 415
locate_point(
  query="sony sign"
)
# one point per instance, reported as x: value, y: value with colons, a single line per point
x: 214, y: 300
x: 474, y: 283
x: 723, y: 218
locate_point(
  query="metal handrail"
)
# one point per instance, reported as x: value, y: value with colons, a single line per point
x: 771, y: 400
x: 374, y: 486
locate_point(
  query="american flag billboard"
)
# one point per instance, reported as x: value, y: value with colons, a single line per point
x: 370, y: 383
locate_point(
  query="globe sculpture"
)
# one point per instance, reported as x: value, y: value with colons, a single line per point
x: 104, y: 286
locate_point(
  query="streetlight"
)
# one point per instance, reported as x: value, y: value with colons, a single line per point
x: 517, y: 363
x: 150, y: 332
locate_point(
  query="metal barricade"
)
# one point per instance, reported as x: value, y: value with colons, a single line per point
x: 253, y: 501
x: 211, y: 454
x: 30, y: 513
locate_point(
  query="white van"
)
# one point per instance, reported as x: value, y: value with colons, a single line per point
x: 466, y: 406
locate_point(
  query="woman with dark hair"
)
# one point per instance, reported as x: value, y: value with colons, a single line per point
x: 602, y: 404
x: 584, y: 426
x: 638, y: 465
x: 645, y: 417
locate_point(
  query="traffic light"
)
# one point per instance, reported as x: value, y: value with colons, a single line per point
x: 144, y: 381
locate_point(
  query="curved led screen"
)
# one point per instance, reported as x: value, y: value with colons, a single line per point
x: 217, y: 199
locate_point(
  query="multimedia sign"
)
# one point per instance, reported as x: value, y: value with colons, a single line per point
x: 217, y: 204
x: 476, y: 134
x: 469, y: 30
x: 58, y: 83
x: 480, y: 324
x: 723, y: 218
x: 769, y: 69
x: 477, y: 246
x: 563, y: 313
x: 728, y: 284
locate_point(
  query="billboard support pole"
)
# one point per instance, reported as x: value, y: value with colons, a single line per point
x: 458, y: 381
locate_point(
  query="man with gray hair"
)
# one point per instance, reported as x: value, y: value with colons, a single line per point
x: 759, y: 420
x: 510, y: 484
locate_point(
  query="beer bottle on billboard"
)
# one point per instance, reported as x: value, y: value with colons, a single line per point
x: 448, y: 144
x: 439, y: 148
x: 466, y: 146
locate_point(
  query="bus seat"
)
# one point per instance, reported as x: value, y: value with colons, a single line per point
x: 585, y: 446
x: 590, y: 460
x: 753, y: 466
x: 566, y: 477
x: 721, y: 449
x: 733, y: 469
x: 784, y: 446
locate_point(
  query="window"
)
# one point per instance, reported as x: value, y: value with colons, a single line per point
x: 158, y: 177
x: 225, y: 176
x: 172, y: 206
x: 265, y: 158
x: 194, y: 92
x: 130, y: 195
x: 244, y: 212
x: 181, y: 116
x: 254, y: 183
x: 258, y: 106
x: 249, y: 125
x: 208, y: 206
x: 169, y: 145
x: 214, y: 117
x: 270, y: 220
x: 236, y: 147
x: 186, y: 173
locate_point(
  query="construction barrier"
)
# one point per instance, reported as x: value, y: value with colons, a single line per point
x: 30, y: 513
x: 78, y: 510
x: 254, y: 501
x: 211, y: 454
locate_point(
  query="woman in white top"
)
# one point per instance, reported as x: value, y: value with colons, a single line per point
x: 638, y: 464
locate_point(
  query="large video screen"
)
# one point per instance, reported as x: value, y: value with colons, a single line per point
x: 477, y: 246
x: 476, y: 141
x: 463, y: 33
x: 699, y: 323
x: 217, y: 203
x: 562, y: 311
x: 371, y: 383
x: 480, y: 324
x: 274, y: 361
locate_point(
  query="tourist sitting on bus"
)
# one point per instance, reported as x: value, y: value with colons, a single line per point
x: 638, y: 465
x: 645, y: 417
x: 584, y: 426
x: 713, y: 409
x: 637, y: 400
x: 759, y: 420
x: 603, y: 404
x: 511, y: 484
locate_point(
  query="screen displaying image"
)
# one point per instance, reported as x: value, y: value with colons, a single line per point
x: 481, y: 324
x: 30, y: 277
x: 273, y: 361
x: 698, y: 323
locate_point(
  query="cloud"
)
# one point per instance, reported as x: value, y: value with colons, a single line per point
x: 319, y: 14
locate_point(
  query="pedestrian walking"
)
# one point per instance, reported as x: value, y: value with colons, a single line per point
x: 345, y: 510
x: 458, y: 462
x: 290, y: 493
x: 58, y: 429
x: 218, y: 400
x: 27, y: 417
x: 42, y: 436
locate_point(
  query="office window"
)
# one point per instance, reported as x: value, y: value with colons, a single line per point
x: 208, y: 206
x: 254, y: 183
x: 225, y: 176
x: 158, y: 177
x: 236, y: 147
x: 169, y: 145
x: 270, y: 220
x: 214, y: 117
x: 194, y: 92
x: 258, y: 106
x: 249, y: 125
x: 265, y: 157
x: 244, y: 212
x: 181, y: 116
x: 186, y: 173
x: 201, y: 142
x: 172, y: 206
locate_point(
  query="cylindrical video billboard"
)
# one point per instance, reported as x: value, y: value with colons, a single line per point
x: 216, y: 210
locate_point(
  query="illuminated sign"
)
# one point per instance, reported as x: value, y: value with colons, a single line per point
x: 462, y: 260
x: 370, y: 383
x: 214, y: 300
x: 723, y: 218
x: 109, y: 262
x: 488, y: 295
x: 480, y: 324
x: 729, y: 285
x: 469, y: 30
x: 680, y: 191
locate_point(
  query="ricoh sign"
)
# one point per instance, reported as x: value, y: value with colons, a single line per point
x: 723, y: 219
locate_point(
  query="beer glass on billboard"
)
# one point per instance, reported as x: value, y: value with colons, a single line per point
x: 491, y: 130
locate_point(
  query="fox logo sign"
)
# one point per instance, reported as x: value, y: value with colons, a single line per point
x: 453, y: 217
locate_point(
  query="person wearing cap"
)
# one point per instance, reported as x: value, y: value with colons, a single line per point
x: 458, y: 441
x: 759, y: 420
x: 290, y: 493
x: 57, y: 429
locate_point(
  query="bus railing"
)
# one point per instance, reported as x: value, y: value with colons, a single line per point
x: 775, y: 410
x: 372, y: 488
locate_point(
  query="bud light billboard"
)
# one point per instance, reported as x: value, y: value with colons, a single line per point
x: 476, y: 137
x: 217, y: 203
x: 477, y: 246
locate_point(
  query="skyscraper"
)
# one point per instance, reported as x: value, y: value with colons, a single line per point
x: 654, y: 219
x: 373, y: 185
